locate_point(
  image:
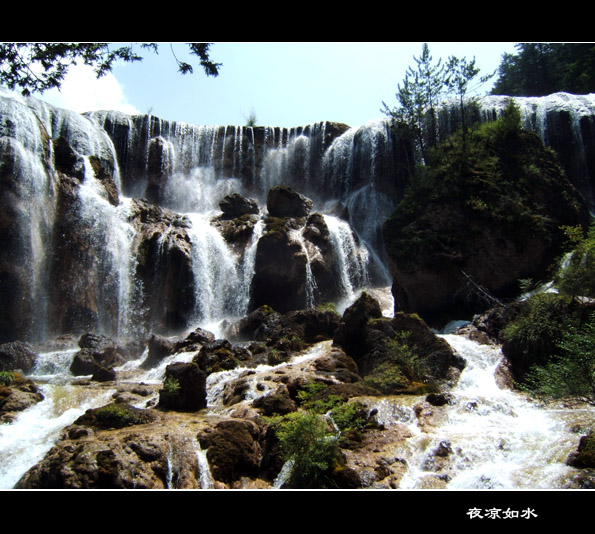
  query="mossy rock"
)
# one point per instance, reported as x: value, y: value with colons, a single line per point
x: 115, y: 415
x: 585, y: 455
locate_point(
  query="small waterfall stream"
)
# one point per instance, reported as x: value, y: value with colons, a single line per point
x: 487, y: 437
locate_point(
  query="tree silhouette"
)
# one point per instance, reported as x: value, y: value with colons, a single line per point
x: 37, y: 67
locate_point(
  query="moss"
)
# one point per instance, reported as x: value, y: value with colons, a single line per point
x: 585, y: 457
x: 114, y: 415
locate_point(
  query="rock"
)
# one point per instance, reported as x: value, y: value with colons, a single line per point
x: 97, y: 357
x: 277, y: 403
x: 282, y: 201
x: 350, y: 333
x: 234, y: 450
x: 17, y: 355
x: 584, y: 456
x: 17, y: 393
x: 164, y: 264
x: 115, y: 415
x: 398, y: 355
x: 221, y: 355
x: 279, y: 279
x: 136, y: 457
x: 235, y: 205
x: 184, y: 388
x: 159, y: 347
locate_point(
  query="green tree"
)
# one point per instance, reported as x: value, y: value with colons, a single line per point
x: 460, y: 75
x: 312, y: 449
x: 417, y: 97
x: 571, y: 373
x: 540, y: 69
x: 37, y: 67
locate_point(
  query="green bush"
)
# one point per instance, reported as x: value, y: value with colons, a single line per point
x: 571, y: 371
x: 307, y: 442
x: 577, y: 277
x: 6, y: 378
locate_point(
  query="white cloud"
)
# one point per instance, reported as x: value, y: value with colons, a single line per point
x: 81, y: 91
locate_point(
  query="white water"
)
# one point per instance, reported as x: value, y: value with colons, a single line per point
x: 498, y: 438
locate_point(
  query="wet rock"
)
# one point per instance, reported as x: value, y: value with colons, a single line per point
x: 235, y: 205
x: 277, y: 403
x: 350, y: 334
x: 234, y: 450
x: 98, y: 356
x: 184, y: 388
x: 17, y: 393
x: 584, y: 456
x: 282, y: 201
x: 159, y: 347
x: 151, y: 457
x: 17, y: 355
x: 221, y: 355
x: 115, y: 415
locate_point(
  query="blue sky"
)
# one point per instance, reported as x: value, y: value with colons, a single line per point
x: 282, y: 83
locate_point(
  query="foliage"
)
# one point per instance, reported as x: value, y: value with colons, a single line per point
x: 571, y: 371
x: 171, y: 386
x: 6, y: 378
x: 306, y: 441
x: 535, y: 333
x: 417, y: 97
x: 401, y: 366
x: 37, y: 67
x: 460, y: 73
x: 347, y: 416
x: 251, y: 119
x: 543, y: 68
x: 577, y: 275
x: 489, y: 176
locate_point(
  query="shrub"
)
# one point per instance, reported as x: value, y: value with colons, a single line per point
x: 6, y: 378
x: 570, y: 372
x: 306, y: 441
x: 577, y: 277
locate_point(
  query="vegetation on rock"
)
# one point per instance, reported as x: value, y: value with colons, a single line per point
x: 486, y: 210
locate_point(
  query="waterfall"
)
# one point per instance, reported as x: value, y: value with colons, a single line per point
x: 352, y: 259
x: 489, y: 438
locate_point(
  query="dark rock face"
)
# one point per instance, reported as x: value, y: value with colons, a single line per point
x: 98, y: 356
x: 185, y: 388
x: 234, y: 449
x: 295, y: 263
x: 164, y: 264
x: 236, y: 205
x: 135, y: 457
x: 282, y: 201
x: 402, y: 354
x: 17, y: 355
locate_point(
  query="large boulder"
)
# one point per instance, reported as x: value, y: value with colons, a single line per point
x: 98, y: 356
x: 164, y: 264
x: 17, y: 393
x: 395, y: 355
x: 137, y: 456
x: 17, y: 355
x: 282, y: 201
x: 184, y: 388
x: 234, y: 449
x: 235, y: 205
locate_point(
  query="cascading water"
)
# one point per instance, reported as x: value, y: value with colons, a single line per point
x: 188, y: 170
x: 487, y: 437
